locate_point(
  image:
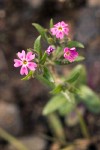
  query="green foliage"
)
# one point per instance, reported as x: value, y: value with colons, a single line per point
x: 75, y: 44
x: 50, y: 41
x: 30, y: 75
x: 40, y: 29
x: 42, y: 79
x: 66, y: 62
x: 43, y: 59
x: 51, y: 23
x: 37, y: 46
x: 56, y: 127
x: 57, y: 89
x: 90, y: 99
x: 46, y: 77
x: 79, y: 58
x: 54, y: 103
x: 82, y: 79
x: 66, y: 108
x: 75, y: 73
x: 47, y: 74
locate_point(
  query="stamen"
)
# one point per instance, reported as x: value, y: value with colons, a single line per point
x: 60, y: 28
x: 67, y: 53
x: 24, y: 62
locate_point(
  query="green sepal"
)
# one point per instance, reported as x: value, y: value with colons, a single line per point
x: 71, y: 44
x: 79, y: 58
x: 50, y: 41
x: 66, y: 62
x: 51, y: 23
x: 30, y: 75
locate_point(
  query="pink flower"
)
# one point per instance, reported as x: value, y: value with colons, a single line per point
x: 60, y: 29
x: 70, y: 54
x: 25, y: 61
x: 50, y: 49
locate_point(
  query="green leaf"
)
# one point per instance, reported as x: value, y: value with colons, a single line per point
x: 74, y: 74
x: 40, y: 29
x: 51, y: 23
x: 43, y: 59
x: 57, y: 89
x: 45, y: 81
x: 68, y: 95
x: 30, y: 75
x: 47, y: 74
x: 90, y: 99
x: 66, y: 108
x: 54, y: 103
x: 82, y: 79
x: 79, y: 58
x: 37, y: 46
x: 75, y: 44
x: 62, y: 62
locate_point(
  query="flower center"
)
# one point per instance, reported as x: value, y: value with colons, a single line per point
x: 60, y: 28
x: 24, y: 62
x: 67, y: 53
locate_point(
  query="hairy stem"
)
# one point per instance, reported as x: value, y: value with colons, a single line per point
x: 6, y: 136
x: 83, y: 125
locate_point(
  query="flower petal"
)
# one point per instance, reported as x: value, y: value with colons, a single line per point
x: 23, y: 70
x: 73, y: 49
x: 53, y: 30
x: 30, y: 56
x: 72, y: 54
x: 66, y: 49
x: 21, y: 55
x: 32, y: 66
x: 18, y: 63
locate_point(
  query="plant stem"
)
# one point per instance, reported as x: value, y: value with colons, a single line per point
x: 56, y: 127
x: 83, y: 125
x: 6, y: 136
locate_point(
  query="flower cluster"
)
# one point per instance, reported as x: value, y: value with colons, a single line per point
x: 59, y: 30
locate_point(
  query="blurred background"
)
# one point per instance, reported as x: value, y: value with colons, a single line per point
x: 22, y: 102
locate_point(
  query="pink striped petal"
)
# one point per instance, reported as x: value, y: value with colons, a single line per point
x: 23, y: 70
x: 63, y: 24
x: 61, y: 35
x: 21, y: 55
x: 32, y: 66
x: 30, y: 56
x: 18, y: 63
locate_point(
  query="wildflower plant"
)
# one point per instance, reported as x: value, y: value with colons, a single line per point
x: 66, y: 91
